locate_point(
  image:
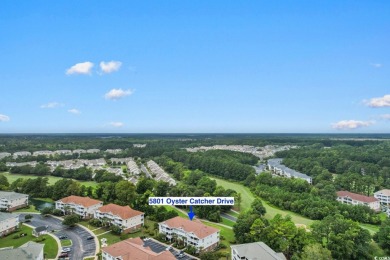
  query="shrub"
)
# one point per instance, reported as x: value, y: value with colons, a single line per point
x: 16, y: 236
x: 28, y: 216
x: 95, y: 222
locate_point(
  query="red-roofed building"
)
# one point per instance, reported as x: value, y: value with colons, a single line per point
x: 133, y: 249
x: 358, y: 199
x: 85, y: 207
x: 124, y: 217
x: 193, y: 233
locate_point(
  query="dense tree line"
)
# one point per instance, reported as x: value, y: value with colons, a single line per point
x: 314, y: 202
x: 82, y: 174
x: 38, y: 170
x: 228, y: 167
x: 369, y: 163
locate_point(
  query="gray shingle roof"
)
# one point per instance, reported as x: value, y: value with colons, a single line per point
x: 10, y: 195
x: 28, y: 251
x: 257, y: 251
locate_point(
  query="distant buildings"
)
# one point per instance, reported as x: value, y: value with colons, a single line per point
x: 133, y: 249
x: 160, y: 174
x: 255, y: 251
x: 193, y: 233
x: 124, y: 217
x: 8, y: 223
x: 28, y: 251
x: 21, y: 154
x: 4, y: 155
x: 10, y: 201
x: 383, y: 196
x: 276, y: 166
x: 357, y: 199
x: 83, y: 206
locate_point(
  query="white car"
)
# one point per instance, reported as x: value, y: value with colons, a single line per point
x: 66, y: 249
x: 169, y: 248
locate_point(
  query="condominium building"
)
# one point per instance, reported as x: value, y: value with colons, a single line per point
x: 358, y: 199
x: 124, y: 217
x: 383, y: 196
x: 28, y: 251
x: 8, y: 223
x: 10, y: 201
x: 193, y: 233
x: 133, y: 249
x: 255, y: 251
x: 276, y: 166
x: 83, y: 206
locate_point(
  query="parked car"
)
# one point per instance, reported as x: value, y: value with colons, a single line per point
x: 66, y: 249
x: 90, y: 238
x: 64, y: 255
x: 169, y: 248
x: 63, y: 237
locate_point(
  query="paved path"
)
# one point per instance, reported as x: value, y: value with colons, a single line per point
x: 229, y: 217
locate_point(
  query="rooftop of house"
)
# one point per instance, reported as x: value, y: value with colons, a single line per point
x: 357, y: 197
x: 28, y: 251
x: 10, y: 195
x: 385, y: 192
x: 194, y: 226
x: 133, y: 249
x: 84, y: 201
x: 125, y: 212
x: 5, y: 216
x: 257, y: 251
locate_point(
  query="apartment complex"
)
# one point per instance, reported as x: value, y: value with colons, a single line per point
x: 124, y: 217
x: 193, y: 233
x: 133, y: 249
x: 83, y: 206
x: 276, y: 166
x: 358, y: 199
x: 383, y: 196
x: 255, y: 251
x: 8, y: 223
x: 10, y: 201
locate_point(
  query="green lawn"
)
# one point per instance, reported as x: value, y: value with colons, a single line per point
x: 232, y: 213
x: 52, y: 179
x: 66, y: 242
x: 30, y: 208
x: 247, y: 198
x: 181, y: 214
x: 226, y: 233
x: 50, y: 248
x: 228, y: 222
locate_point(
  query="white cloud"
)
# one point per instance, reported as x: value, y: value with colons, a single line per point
x: 110, y: 66
x: 385, y: 116
x: 115, y: 94
x: 74, y: 111
x: 376, y: 65
x: 379, y: 101
x: 351, y: 124
x: 51, y: 105
x: 4, y: 118
x: 116, y: 124
x: 80, y: 68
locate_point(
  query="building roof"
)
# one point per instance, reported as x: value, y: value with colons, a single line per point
x: 133, y: 249
x: 5, y: 216
x: 10, y: 195
x: 85, y: 201
x: 384, y: 192
x: 195, y: 226
x: 40, y: 229
x: 125, y: 212
x: 257, y: 251
x: 28, y: 251
x: 357, y: 197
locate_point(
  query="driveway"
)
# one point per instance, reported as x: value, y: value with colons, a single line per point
x: 80, y: 248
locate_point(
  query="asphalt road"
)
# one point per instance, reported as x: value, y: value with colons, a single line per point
x: 224, y: 215
x: 80, y: 248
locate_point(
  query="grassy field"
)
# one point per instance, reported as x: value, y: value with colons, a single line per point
x: 50, y: 249
x: 247, y: 198
x: 226, y: 233
x: 52, y: 179
x: 227, y: 222
x: 232, y: 213
x: 30, y: 208
x: 181, y: 214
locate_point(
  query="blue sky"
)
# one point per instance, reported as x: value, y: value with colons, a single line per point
x: 194, y: 66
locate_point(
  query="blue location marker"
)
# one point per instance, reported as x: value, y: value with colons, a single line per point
x: 191, y: 214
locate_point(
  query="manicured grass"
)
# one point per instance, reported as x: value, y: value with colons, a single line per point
x: 247, y: 198
x: 246, y: 195
x: 66, y: 242
x: 227, y: 222
x: 52, y: 179
x: 371, y: 228
x: 30, y: 208
x: 50, y: 248
x: 89, y: 258
x: 226, y: 233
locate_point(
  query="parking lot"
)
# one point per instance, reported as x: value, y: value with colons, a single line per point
x: 158, y: 247
x: 81, y: 247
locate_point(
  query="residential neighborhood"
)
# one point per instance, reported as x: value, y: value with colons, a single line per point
x: 275, y: 165
x: 358, y: 199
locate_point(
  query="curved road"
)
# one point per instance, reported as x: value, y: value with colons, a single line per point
x: 80, y: 248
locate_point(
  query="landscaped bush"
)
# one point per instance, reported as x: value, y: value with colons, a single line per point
x: 40, y: 239
x: 116, y: 230
x: 95, y: 222
x: 57, y: 212
x: 16, y: 236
